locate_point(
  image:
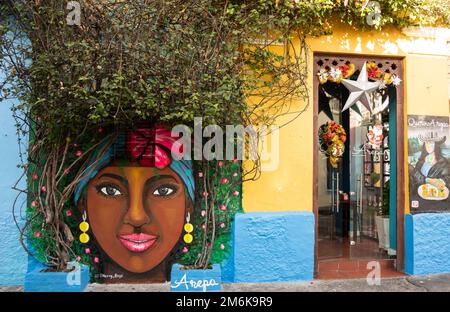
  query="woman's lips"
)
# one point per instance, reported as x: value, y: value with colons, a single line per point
x: 138, y: 242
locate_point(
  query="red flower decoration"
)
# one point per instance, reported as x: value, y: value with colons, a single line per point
x: 151, y: 147
x: 373, y: 72
x: 344, y: 69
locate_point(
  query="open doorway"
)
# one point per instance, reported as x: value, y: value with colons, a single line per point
x: 356, y: 200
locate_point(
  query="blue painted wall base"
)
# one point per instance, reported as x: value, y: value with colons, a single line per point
x: 38, y: 281
x: 271, y: 247
x: 195, y: 280
x: 427, y: 243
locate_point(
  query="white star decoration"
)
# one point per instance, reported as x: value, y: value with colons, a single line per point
x: 360, y: 90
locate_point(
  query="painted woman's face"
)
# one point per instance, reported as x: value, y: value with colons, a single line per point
x: 429, y: 147
x: 136, y: 214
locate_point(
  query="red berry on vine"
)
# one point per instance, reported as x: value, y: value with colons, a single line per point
x: 43, y: 189
x: 69, y: 213
x: 78, y: 153
x: 37, y: 234
x: 34, y: 177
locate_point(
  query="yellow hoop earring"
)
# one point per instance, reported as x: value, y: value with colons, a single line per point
x: 84, y: 227
x: 188, y: 228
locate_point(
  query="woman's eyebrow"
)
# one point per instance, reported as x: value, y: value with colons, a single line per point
x: 159, y: 177
x: 115, y: 176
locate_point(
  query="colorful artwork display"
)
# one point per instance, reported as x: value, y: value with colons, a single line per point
x: 429, y: 164
x: 137, y: 200
x: 140, y: 208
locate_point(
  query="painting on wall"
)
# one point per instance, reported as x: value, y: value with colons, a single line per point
x: 140, y: 208
x: 429, y: 163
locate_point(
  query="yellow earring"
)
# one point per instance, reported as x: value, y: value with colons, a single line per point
x: 84, y: 227
x: 188, y: 228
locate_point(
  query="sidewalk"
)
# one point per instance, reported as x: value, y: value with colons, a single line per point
x: 433, y: 283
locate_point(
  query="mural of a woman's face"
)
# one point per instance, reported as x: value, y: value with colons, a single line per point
x: 136, y: 214
x: 429, y: 147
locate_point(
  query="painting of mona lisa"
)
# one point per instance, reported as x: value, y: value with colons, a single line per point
x: 134, y: 204
x: 429, y: 164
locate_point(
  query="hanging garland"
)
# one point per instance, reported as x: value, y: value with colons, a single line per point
x: 336, y: 73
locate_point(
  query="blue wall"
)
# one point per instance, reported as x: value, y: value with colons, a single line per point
x: 270, y: 247
x: 13, y: 258
x: 427, y: 243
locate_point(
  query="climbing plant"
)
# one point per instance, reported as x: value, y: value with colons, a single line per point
x: 80, y: 83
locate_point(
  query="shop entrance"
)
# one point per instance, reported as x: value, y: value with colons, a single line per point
x: 356, y: 168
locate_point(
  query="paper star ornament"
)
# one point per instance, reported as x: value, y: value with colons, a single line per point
x: 360, y: 90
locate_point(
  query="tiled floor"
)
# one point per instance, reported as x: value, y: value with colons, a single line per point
x: 339, y: 260
x: 365, y: 248
x: 347, y: 268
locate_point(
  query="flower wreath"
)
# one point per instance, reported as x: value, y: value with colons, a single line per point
x: 332, y: 137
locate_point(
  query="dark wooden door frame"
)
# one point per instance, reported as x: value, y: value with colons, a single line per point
x: 358, y: 60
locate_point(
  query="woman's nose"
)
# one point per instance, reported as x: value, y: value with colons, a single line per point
x: 136, y: 214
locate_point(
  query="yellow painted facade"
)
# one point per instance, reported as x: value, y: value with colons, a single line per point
x: 290, y: 187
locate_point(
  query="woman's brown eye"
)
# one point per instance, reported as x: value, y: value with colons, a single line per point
x: 164, y: 191
x: 110, y: 191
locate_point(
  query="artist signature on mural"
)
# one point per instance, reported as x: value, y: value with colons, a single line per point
x: 109, y: 276
x: 194, y: 284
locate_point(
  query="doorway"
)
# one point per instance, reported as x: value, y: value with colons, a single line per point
x: 357, y: 203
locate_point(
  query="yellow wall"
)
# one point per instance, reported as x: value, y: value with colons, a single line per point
x: 290, y: 187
